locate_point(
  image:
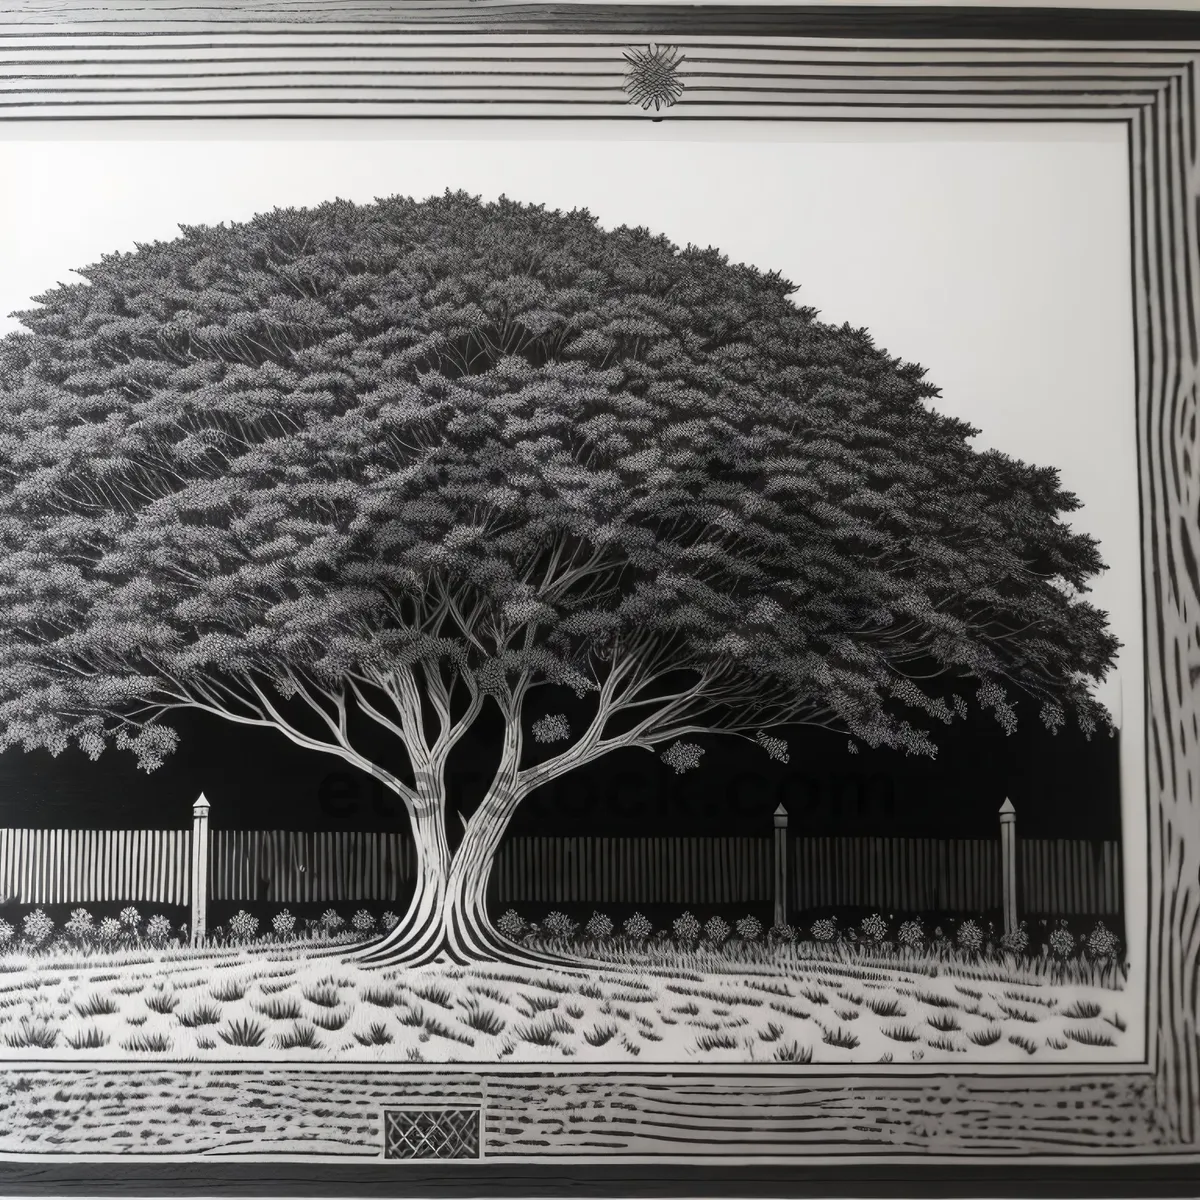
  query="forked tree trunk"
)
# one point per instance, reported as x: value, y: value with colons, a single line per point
x: 447, y: 919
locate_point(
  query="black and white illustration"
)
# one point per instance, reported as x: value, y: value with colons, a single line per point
x: 488, y: 615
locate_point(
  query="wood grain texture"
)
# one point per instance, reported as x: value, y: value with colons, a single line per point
x: 195, y: 1110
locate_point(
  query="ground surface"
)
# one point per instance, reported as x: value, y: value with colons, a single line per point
x: 251, y: 1006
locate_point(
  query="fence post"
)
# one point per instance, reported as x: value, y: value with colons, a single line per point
x: 199, y: 870
x: 781, y: 872
x: 1008, y: 864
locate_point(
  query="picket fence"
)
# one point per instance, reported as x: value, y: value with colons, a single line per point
x: 1055, y: 877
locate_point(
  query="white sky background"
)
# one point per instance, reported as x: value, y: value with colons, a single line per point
x: 996, y: 256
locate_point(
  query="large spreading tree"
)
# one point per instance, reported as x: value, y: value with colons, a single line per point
x: 369, y: 474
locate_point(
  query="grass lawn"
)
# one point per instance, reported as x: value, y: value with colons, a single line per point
x: 288, y: 1004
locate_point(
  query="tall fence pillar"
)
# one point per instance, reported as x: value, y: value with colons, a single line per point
x: 1008, y: 864
x: 780, y: 872
x: 199, y: 925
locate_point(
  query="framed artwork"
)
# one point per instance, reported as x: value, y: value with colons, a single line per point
x: 598, y: 596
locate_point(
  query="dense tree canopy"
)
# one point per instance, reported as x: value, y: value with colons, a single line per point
x: 385, y: 462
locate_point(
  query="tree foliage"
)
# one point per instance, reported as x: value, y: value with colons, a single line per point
x: 387, y: 461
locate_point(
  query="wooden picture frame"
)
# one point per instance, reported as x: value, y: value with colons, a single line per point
x: 1130, y: 1129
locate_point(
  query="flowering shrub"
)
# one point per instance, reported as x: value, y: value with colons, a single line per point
x: 1017, y: 940
x: 749, y: 929
x: 130, y: 918
x: 911, y: 934
x: 970, y: 937
x: 389, y: 921
x: 599, y: 926
x: 686, y: 927
x: 332, y: 920
x: 716, y: 931
x: 109, y: 931
x: 79, y: 925
x: 875, y: 928
x: 6, y: 933
x: 824, y: 930
x: 637, y: 927
x: 283, y: 923
x: 37, y: 927
x: 1061, y: 941
x: 242, y: 926
x: 363, y: 921
x: 1102, y: 942
x: 158, y: 930
x: 511, y: 925
x: 559, y: 925
x: 782, y: 932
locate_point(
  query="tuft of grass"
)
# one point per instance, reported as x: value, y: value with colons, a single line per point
x: 986, y: 1037
x: 813, y: 996
x: 139, y: 1019
x: 243, y: 1033
x: 1088, y: 1037
x: 163, y: 1002
x: 331, y: 1019
x: 935, y: 1000
x: 943, y: 1042
x: 847, y: 1014
x: 716, y: 1041
x: 33, y: 1033
x: 96, y: 1006
x: 901, y: 1033
x: 883, y: 1006
x: 793, y: 1052
x: 788, y: 1011
x: 298, y: 1037
x: 157, y: 1043
x: 886, y: 1057
x: 1117, y: 1022
x: 772, y: 1033
x: 227, y: 990
x: 269, y: 989
x: 376, y: 1035
x: 89, y: 1038
x: 280, y: 1008
x: 690, y: 1009
x: 436, y: 993
x: 776, y: 989
x: 204, y: 1042
x: 841, y: 1038
x: 966, y: 991
x: 128, y: 989
x: 1082, y: 1010
x: 600, y: 1034
x: 1056, y: 1043
x: 1026, y: 1044
x: 323, y: 995
x: 539, y: 1004
x: 202, y: 1014
x: 380, y: 997
x: 575, y: 1011
x: 542, y: 1031
x: 485, y: 1020
x: 413, y: 1017
x: 499, y: 997
x: 438, y: 1028
x: 1018, y: 1014
x: 591, y: 990
x: 944, y: 1022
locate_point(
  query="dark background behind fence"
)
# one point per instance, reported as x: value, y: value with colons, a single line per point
x: 264, y: 870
